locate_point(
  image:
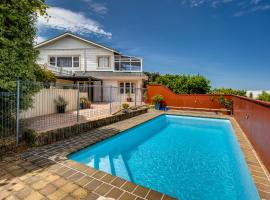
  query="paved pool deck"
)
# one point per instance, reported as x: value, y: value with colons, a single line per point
x: 46, y: 173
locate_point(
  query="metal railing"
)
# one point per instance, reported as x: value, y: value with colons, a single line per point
x: 43, y: 107
x: 127, y: 64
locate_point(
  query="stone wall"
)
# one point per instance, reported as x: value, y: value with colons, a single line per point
x: 66, y: 132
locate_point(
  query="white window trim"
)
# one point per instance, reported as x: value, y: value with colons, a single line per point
x: 109, y: 62
x: 125, y: 93
x: 72, y: 57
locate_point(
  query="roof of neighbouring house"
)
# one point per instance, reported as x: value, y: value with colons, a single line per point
x: 74, y: 36
x: 104, y: 74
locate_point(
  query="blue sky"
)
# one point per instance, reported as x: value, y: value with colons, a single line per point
x: 228, y: 41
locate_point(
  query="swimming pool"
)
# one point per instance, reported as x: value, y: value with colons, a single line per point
x: 185, y: 157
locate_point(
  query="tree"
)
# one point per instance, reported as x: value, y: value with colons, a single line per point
x: 152, y: 77
x: 185, y: 84
x: 264, y: 96
x: 17, y: 55
x: 228, y: 91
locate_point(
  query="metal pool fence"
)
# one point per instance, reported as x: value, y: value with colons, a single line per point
x: 45, y: 106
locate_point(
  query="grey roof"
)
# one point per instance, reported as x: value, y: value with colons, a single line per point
x: 104, y: 74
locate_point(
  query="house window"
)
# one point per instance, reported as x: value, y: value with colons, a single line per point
x: 103, y: 61
x: 65, y: 61
x: 127, y: 88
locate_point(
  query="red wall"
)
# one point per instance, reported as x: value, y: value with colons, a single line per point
x: 254, y: 118
x: 184, y: 100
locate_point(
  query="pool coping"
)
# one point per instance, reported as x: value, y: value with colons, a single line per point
x: 104, y: 184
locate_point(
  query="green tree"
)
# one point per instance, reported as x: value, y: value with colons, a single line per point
x: 17, y: 55
x: 185, y: 84
x: 228, y: 91
x: 152, y: 77
x: 264, y: 96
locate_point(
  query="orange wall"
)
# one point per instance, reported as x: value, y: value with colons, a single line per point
x: 184, y: 100
x: 254, y: 118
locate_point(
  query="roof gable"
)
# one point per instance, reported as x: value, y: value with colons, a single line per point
x: 64, y: 35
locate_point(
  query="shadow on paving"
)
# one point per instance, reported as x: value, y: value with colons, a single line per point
x: 40, y: 173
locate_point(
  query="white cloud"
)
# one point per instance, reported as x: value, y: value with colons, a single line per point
x: 251, y: 10
x: 64, y: 19
x: 243, y: 7
x: 99, y: 8
x: 40, y: 39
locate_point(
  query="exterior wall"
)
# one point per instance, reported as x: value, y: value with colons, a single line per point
x: 44, y: 102
x: 254, y: 118
x: 71, y: 46
x: 197, y: 101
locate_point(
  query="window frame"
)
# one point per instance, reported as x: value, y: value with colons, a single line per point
x: 124, y: 90
x: 72, y: 62
x: 109, y: 62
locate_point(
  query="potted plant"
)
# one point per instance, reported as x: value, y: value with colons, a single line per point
x: 227, y: 103
x: 125, y: 107
x: 85, y: 103
x: 61, y: 104
x: 129, y: 99
x: 156, y: 100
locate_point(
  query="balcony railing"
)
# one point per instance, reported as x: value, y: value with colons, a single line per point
x: 127, y: 64
x: 58, y: 70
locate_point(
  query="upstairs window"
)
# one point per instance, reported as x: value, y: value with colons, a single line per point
x: 103, y: 61
x: 65, y: 61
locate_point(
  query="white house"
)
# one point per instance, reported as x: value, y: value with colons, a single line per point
x: 74, y: 59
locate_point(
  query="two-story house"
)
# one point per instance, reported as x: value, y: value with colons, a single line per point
x: 74, y: 59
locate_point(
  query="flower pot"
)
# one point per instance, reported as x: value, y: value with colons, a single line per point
x: 129, y: 99
x: 157, y: 106
x: 61, y: 109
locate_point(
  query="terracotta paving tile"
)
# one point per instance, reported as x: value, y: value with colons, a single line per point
x: 48, y: 189
x: 103, y: 189
x: 69, y: 173
x: 59, y: 182
x: 141, y: 191
x: 165, y: 197
x: 75, y: 177
x: 93, y: 184
x: 83, y: 181
x: 153, y: 195
x: 80, y: 193
x: 118, y: 182
x: 127, y: 196
x: 128, y: 186
x: 92, y: 196
x: 114, y: 193
x: 108, y: 178
x: 24, y: 192
x: 58, y: 194
x: 34, y: 195
x: 264, y: 195
x: 99, y: 174
x: 69, y: 187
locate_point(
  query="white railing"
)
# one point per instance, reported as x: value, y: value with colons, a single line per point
x: 127, y: 64
x: 58, y: 70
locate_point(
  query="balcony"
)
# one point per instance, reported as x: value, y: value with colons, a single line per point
x: 127, y: 64
x: 58, y: 70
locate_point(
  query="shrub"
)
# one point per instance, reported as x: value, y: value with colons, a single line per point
x: 185, y: 84
x: 226, y: 102
x: 228, y: 91
x: 264, y: 96
x: 157, y: 99
x: 125, y: 106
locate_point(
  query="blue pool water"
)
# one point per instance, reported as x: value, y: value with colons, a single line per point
x: 188, y: 158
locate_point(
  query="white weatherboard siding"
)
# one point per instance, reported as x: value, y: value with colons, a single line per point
x: 69, y: 46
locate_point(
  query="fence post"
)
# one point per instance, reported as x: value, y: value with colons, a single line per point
x: 110, y: 99
x: 78, y: 101
x: 135, y: 97
x: 17, y: 112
